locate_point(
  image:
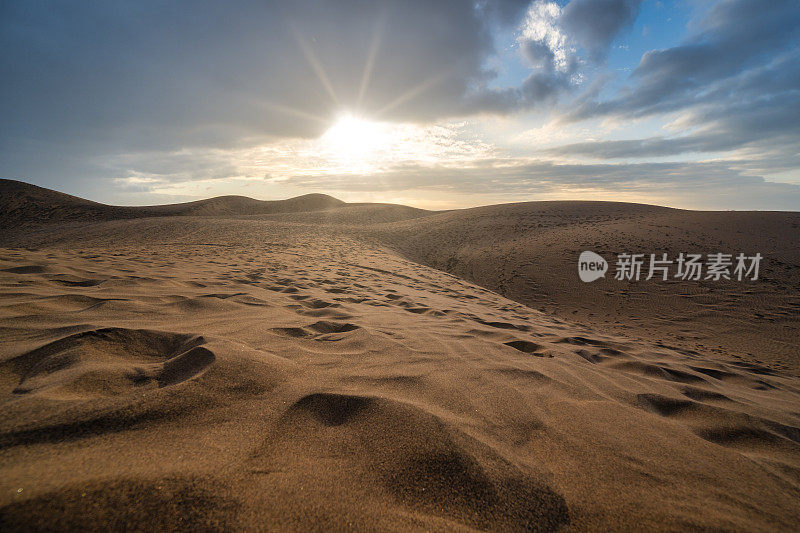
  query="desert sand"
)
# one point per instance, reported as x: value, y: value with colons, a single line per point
x: 307, y: 364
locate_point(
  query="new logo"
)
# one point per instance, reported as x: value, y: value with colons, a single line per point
x: 591, y: 266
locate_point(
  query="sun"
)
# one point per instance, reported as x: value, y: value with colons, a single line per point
x: 352, y: 137
x: 356, y: 145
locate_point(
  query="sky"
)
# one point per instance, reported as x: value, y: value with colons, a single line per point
x: 686, y: 103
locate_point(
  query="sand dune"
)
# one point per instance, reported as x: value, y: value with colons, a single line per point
x: 22, y: 202
x: 307, y: 371
x: 528, y: 252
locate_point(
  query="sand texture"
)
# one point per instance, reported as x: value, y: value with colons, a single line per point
x: 313, y: 365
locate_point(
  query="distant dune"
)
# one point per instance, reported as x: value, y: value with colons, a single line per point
x: 22, y: 202
x: 236, y: 364
x: 528, y: 252
x: 353, y: 214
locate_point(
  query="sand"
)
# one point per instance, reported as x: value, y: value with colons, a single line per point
x: 307, y: 368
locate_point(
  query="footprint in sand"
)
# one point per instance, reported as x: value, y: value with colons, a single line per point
x: 435, y: 468
x: 528, y: 347
x: 77, y: 282
x: 723, y: 425
x: 27, y: 269
x: 109, y: 362
x: 317, y: 330
x: 318, y: 304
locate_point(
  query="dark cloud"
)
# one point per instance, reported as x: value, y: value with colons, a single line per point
x: 542, y: 86
x: 733, y: 38
x: 595, y: 23
x: 548, y: 46
x: 103, y: 77
x: 539, y: 55
x: 734, y: 86
x: 631, y: 148
x: 148, y: 73
x: 503, y: 11
x: 759, y: 125
x: 98, y: 77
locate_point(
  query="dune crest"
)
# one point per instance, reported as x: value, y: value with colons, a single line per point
x: 22, y: 202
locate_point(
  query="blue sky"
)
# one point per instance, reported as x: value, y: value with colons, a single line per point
x: 658, y: 25
x: 689, y: 103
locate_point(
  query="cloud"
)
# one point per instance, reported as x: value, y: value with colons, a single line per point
x: 541, y: 34
x: 731, y: 40
x: 506, y: 12
x: 592, y: 25
x: 549, y: 40
x: 395, y: 145
x: 450, y: 160
x: 732, y: 87
x: 149, y: 73
x: 705, y: 185
x: 595, y: 23
x: 757, y: 125
x: 104, y: 77
x: 539, y: 55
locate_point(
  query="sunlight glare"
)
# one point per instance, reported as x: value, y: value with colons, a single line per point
x: 355, y: 142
